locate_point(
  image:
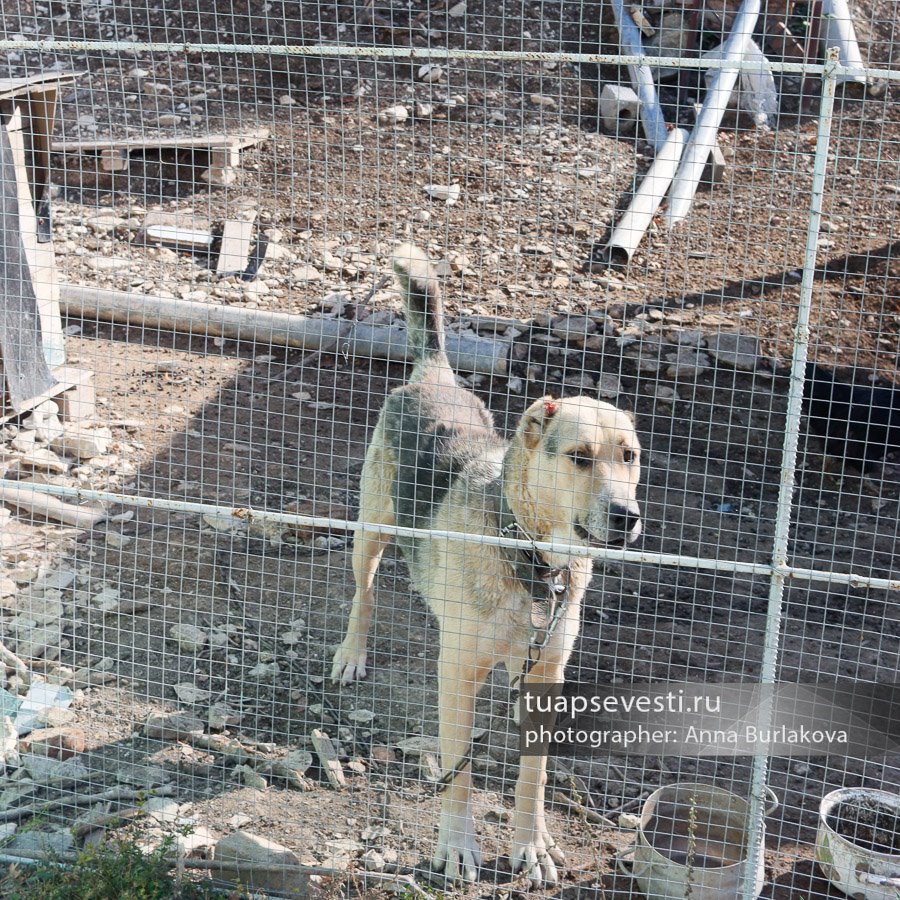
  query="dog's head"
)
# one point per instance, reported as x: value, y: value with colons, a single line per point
x: 578, y: 464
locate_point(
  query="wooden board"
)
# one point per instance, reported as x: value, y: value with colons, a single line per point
x: 174, y: 142
x: 237, y: 237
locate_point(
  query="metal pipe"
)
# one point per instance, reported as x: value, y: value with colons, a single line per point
x: 785, y: 504
x: 641, y: 77
x: 467, y: 352
x: 634, y: 222
x: 703, y: 137
x: 838, y: 31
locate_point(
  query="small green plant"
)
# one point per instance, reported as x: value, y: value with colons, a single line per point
x: 114, y: 870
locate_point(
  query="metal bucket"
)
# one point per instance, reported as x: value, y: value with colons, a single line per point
x: 860, y: 872
x: 692, y: 842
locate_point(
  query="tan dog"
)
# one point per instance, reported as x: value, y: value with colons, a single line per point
x: 568, y: 476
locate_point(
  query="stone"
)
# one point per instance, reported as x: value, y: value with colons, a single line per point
x: 267, y: 864
x: 172, y: 726
x: 572, y: 329
x: 250, y: 777
x: 686, y: 364
x: 190, y: 693
x: 448, y: 193
x: 54, y: 743
x: 190, y: 638
x: 734, y: 348
x: 394, y: 115
x: 81, y: 442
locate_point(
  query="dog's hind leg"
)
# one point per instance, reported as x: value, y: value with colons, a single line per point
x: 376, y: 508
x: 460, y: 675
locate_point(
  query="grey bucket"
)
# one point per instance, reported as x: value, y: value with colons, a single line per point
x: 662, y: 861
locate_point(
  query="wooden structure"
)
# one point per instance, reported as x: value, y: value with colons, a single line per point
x: 27, y: 114
x: 223, y: 151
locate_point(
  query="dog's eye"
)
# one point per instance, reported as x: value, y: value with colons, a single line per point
x: 581, y: 458
x: 628, y: 456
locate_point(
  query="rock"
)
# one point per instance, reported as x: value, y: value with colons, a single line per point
x: 573, y: 328
x: 608, y: 386
x: 115, y: 540
x: 82, y: 442
x: 306, y: 274
x: 373, y: 860
x: 361, y: 716
x: 40, y: 459
x: 273, y: 866
x: 44, y: 769
x: 448, y: 193
x: 686, y: 364
x: 172, y: 726
x: 250, y: 777
x: 190, y: 638
x: 265, y: 670
x: 54, y: 743
x: 414, y: 746
x: 582, y: 381
x: 430, y: 73
x: 394, y: 115
x: 190, y: 693
x: 734, y: 348
x: 33, y: 843
x: 162, y: 809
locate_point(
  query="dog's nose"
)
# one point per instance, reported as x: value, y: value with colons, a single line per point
x: 623, y: 519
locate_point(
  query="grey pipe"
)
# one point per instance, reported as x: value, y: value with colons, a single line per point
x: 705, y: 133
x: 467, y: 352
x: 635, y: 221
x: 641, y: 77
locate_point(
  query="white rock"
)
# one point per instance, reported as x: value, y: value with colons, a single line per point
x: 394, y: 114
x: 430, y: 73
x: 448, y: 193
x: 457, y: 10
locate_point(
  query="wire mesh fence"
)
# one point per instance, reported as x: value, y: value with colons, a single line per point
x: 682, y: 213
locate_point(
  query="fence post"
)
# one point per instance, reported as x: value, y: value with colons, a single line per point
x: 772, y: 637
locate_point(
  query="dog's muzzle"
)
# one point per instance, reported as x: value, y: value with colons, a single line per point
x: 623, y: 526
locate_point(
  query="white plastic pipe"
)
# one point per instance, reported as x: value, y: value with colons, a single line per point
x: 467, y: 352
x: 635, y: 221
x: 838, y: 31
x: 703, y: 137
x: 652, y: 118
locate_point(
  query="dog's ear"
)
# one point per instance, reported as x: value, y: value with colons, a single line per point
x: 535, y: 420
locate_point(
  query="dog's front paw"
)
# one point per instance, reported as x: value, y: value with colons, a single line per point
x: 458, y: 855
x: 537, y: 858
x: 349, y: 663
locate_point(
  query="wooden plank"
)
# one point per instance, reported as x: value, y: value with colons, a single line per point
x: 237, y: 236
x: 34, y: 84
x: 203, y: 142
x: 328, y: 757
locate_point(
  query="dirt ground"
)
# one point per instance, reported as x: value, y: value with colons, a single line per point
x: 243, y: 425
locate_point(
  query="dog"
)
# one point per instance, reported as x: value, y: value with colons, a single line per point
x: 568, y: 476
x: 858, y: 423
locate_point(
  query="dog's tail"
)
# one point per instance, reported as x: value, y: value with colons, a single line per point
x: 422, y: 298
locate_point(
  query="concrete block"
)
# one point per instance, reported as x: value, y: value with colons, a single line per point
x: 78, y: 401
x: 619, y: 108
x: 714, y: 173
